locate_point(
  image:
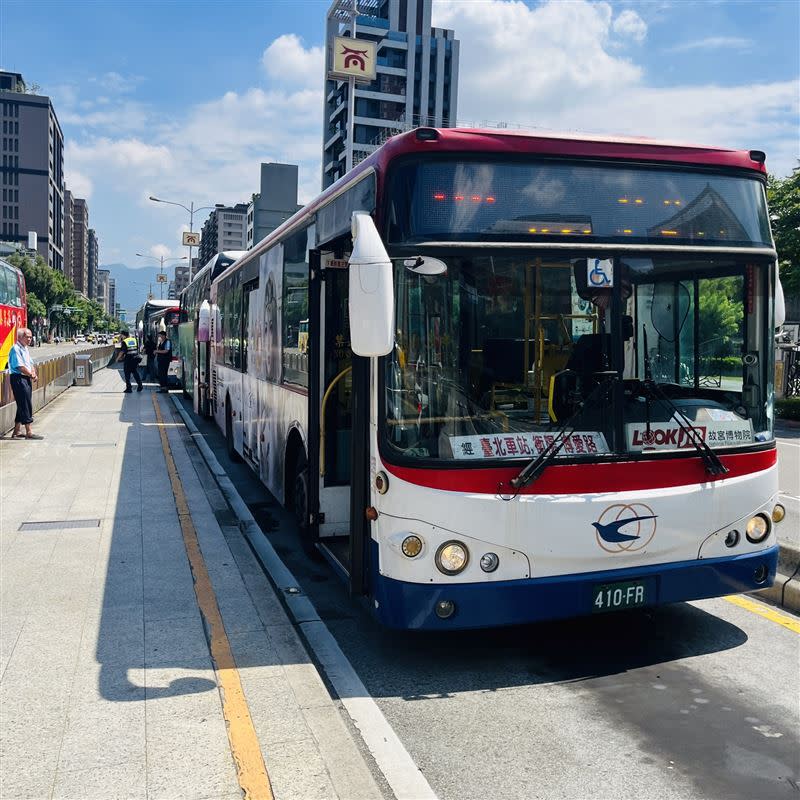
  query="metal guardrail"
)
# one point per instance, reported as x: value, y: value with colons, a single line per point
x: 56, y: 375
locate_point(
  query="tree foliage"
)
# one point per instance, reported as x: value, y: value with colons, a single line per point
x: 48, y: 287
x: 721, y: 314
x: 784, y: 203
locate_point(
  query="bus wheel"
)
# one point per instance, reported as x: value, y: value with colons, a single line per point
x: 232, y: 454
x: 301, y: 509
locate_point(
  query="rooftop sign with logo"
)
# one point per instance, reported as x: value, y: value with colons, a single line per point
x: 353, y: 58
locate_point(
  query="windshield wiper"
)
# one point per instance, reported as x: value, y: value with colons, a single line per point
x: 711, y: 460
x: 538, y: 465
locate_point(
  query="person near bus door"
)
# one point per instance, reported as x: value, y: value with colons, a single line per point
x: 129, y: 355
x: 149, y: 350
x: 164, y: 356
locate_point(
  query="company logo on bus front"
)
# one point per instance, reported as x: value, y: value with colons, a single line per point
x: 625, y: 528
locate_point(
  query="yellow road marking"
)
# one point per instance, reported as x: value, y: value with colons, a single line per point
x: 765, y: 611
x: 250, y: 769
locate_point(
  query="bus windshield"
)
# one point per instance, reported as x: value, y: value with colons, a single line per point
x: 495, y: 355
x: 446, y: 200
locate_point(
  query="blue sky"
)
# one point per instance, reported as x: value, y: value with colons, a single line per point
x: 184, y: 99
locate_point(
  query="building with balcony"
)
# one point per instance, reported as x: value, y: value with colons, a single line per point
x: 80, y: 246
x: 416, y: 82
x: 181, y: 278
x: 101, y: 295
x: 31, y: 169
x: 94, y: 256
x: 225, y: 229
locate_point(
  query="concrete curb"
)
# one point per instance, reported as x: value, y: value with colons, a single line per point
x: 404, y: 777
x: 785, y: 591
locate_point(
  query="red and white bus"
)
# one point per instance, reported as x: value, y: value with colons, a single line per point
x: 13, y: 308
x: 537, y: 380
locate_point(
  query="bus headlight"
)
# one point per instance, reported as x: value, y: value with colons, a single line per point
x: 757, y: 528
x: 452, y: 557
x: 778, y: 513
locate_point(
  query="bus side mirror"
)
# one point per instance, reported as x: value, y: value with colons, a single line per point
x: 780, y: 302
x: 204, y: 322
x: 371, y: 291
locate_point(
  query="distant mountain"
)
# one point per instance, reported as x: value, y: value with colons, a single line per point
x: 134, y: 284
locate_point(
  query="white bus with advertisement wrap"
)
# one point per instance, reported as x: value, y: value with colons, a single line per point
x: 504, y: 377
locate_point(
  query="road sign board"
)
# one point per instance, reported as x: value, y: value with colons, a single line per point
x: 162, y: 277
x: 191, y: 239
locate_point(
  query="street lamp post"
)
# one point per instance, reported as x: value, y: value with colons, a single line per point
x: 162, y: 261
x: 191, y: 209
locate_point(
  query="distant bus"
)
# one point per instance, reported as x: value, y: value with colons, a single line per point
x: 13, y: 309
x: 167, y: 320
x: 143, y: 315
x: 194, y: 354
x: 537, y: 379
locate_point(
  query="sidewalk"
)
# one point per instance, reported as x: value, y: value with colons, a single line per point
x: 107, y: 685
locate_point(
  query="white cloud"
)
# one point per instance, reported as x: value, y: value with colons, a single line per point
x: 287, y: 61
x: 160, y: 251
x: 565, y: 78
x: 79, y: 184
x: 713, y: 43
x: 631, y: 25
x: 516, y: 61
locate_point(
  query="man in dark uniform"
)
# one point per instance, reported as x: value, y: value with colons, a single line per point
x: 129, y: 355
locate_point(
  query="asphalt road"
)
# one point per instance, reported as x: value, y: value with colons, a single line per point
x: 692, y: 700
x: 789, y: 483
x: 53, y: 350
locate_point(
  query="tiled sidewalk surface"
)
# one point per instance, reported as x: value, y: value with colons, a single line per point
x: 107, y: 688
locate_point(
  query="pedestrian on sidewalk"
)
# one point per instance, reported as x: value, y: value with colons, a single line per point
x: 23, y: 374
x: 149, y: 351
x: 130, y: 358
x: 163, y: 356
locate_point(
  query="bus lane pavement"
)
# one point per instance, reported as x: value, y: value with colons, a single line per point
x: 692, y: 700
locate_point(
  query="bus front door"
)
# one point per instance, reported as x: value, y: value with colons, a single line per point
x: 331, y: 412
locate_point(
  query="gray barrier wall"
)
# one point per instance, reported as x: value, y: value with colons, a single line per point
x: 56, y: 375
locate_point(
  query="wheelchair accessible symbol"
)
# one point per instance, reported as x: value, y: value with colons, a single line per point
x: 600, y: 272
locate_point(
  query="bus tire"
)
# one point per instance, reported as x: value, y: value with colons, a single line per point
x: 229, y: 445
x: 301, y: 509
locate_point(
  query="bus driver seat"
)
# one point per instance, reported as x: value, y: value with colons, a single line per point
x: 589, y: 357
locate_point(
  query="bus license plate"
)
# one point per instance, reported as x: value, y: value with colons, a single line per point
x: 616, y: 596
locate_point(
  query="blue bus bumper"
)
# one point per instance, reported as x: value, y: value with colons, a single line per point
x: 483, y: 605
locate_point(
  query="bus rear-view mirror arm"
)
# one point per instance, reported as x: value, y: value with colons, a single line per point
x: 371, y: 290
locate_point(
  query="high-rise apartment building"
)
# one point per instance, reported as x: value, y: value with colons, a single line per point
x: 32, y: 174
x: 225, y: 229
x: 69, y: 222
x: 181, y: 278
x: 416, y: 82
x: 275, y: 202
x: 80, y: 246
x: 112, y: 297
x: 102, y: 297
x: 94, y: 257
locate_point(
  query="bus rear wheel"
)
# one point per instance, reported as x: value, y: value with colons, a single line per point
x: 301, y: 509
x: 229, y: 446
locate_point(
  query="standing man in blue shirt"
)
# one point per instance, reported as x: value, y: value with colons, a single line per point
x: 23, y: 374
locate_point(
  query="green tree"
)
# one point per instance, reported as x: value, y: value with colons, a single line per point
x: 36, y: 308
x: 721, y: 316
x: 784, y: 204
